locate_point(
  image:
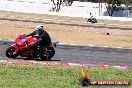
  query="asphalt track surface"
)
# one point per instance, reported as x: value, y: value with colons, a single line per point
x: 83, y: 54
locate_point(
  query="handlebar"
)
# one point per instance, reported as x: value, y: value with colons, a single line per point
x: 23, y: 36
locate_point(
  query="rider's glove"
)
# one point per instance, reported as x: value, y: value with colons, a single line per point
x: 31, y: 45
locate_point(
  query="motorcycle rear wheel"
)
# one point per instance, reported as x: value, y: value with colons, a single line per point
x: 48, y: 54
x: 10, y: 52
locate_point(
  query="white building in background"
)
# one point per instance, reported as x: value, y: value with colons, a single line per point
x: 77, y: 9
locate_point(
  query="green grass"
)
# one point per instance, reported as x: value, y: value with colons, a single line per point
x: 43, y: 76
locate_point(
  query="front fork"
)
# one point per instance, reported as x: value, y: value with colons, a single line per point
x: 16, y: 47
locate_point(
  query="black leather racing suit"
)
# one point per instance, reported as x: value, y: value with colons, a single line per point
x: 44, y: 39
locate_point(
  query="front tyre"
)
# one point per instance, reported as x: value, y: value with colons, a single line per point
x: 89, y: 20
x: 48, y: 54
x: 10, y: 52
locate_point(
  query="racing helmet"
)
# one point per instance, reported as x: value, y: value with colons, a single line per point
x: 39, y: 29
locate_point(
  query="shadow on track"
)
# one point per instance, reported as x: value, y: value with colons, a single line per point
x: 35, y: 59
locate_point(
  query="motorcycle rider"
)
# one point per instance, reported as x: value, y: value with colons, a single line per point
x: 43, y: 40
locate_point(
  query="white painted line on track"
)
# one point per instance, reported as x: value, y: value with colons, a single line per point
x: 93, y: 46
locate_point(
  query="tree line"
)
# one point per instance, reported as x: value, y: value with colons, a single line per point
x: 111, y: 5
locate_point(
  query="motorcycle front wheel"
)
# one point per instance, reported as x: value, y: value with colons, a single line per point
x: 10, y: 52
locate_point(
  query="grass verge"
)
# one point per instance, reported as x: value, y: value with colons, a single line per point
x: 46, y: 76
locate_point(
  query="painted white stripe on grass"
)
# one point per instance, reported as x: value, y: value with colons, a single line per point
x: 74, y: 64
x: 121, y: 67
x: 2, y: 61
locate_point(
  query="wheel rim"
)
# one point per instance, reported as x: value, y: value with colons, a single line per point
x: 48, y: 54
x: 11, y: 52
x: 51, y: 52
x: 45, y: 56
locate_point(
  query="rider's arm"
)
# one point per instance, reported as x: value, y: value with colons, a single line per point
x: 38, y: 41
x: 43, y: 38
x: 31, y: 34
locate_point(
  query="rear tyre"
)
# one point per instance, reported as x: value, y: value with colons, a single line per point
x: 48, y: 54
x: 95, y: 21
x: 10, y: 52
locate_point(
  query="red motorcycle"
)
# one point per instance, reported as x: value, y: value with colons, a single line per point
x: 20, y: 48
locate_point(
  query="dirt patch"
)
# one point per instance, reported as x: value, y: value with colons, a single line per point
x: 65, y: 28
x: 70, y: 34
